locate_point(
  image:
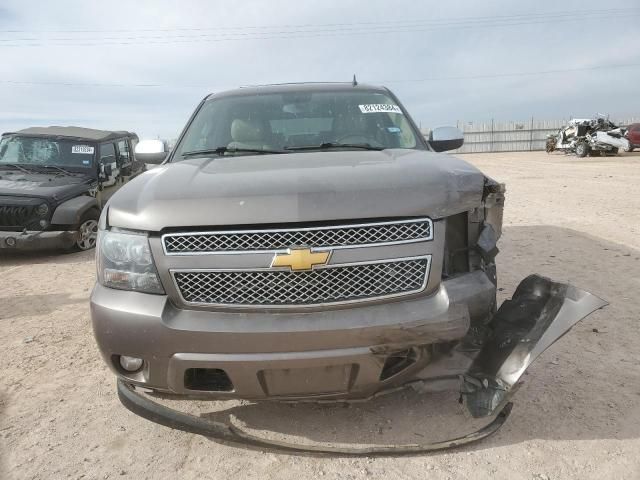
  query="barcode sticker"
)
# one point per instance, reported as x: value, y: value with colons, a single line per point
x: 84, y: 149
x: 380, y: 108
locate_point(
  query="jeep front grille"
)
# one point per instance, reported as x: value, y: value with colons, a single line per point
x: 16, y: 216
x: 324, y: 285
x: 341, y: 236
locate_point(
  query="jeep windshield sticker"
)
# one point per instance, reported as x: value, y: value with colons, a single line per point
x: 84, y: 149
x: 380, y: 108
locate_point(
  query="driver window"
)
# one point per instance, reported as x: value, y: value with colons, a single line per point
x: 123, y: 150
x: 107, y: 153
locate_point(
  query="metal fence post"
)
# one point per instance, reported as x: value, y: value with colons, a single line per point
x: 491, y: 143
x: 531, y: 136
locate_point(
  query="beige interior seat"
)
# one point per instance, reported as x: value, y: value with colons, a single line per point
x: 249, y: 133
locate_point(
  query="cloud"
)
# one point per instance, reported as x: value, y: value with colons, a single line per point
x: 188, y: 49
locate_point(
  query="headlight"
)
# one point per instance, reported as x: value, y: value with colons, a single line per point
x: 124, y: 262
x: 42, y: 210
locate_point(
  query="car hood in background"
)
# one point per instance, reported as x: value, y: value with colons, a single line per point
x: 51, y: 186
x: 297, y: 187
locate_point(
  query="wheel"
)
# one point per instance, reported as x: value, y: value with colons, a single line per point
x: 87, y: 230
x: 582, y: 149
x: 550, y: 146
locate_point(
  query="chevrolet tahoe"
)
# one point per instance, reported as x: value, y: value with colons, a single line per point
x: 307, y: 242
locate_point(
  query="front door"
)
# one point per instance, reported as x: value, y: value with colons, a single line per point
x: 110, y: 178
x: 128, y: 165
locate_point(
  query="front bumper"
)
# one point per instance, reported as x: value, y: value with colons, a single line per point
x: 331, y: 354
x: 540, y: 312
x: 343, y: 354
x: 37, y: 240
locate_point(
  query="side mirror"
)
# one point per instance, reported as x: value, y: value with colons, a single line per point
x: 443, y: 139
x: 151, y: 151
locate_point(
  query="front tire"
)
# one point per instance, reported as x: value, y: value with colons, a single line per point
x: 87, y: 231
x: 582, y: 149
x: 550, y: 145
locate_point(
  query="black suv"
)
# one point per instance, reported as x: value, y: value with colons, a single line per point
x: 54, y: 182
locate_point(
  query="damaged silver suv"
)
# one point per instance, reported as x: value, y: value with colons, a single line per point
x: 306, y: 242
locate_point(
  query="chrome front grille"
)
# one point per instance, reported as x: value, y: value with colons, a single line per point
x: 325, y: 285
x: 342, y: 236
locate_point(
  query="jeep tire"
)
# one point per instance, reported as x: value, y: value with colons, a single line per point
x: 87, y: 231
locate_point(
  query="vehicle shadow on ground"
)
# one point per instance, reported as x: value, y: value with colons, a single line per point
x: 17, y: 259
x: 43, y: 304
x: 585, y: 387
x: 590, y: 158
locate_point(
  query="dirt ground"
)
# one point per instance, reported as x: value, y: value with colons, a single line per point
x: 576, y: 416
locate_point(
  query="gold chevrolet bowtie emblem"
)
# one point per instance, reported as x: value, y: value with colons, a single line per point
x: 300, y: 259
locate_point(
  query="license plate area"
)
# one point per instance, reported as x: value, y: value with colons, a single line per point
x: 329, y: 379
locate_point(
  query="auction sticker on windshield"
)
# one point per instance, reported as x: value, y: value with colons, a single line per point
x: 84, y: 149
x: 380, y: 108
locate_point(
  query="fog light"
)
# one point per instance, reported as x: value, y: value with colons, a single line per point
x: 43, y: 224
x: 10, y: 241
x: 130, y: 364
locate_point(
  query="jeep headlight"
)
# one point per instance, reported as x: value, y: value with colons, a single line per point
x: 42, y: 210
x: 125, y: 262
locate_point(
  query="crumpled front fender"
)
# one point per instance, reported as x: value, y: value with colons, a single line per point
x: 540, y: 312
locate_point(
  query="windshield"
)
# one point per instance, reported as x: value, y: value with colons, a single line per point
x: 297, y: 121
x: 38, y: 151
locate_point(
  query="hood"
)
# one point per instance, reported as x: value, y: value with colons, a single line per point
x: 297, y: 187
x: 51, y: 186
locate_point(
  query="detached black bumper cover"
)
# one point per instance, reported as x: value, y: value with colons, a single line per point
x: 540, y: 312
x: 171, y: 418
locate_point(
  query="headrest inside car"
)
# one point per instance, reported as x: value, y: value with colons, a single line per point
x: 246, y: 130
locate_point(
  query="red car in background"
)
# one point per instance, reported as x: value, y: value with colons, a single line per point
x: 633, y: 135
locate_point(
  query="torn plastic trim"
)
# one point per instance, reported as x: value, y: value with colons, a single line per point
x: 540, y: 312
x: 487, y: 243
x: 169, y: 417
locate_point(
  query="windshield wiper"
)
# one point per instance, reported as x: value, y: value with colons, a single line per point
x: 16, y: 166
x: 55, y: 167
x: 329, y: 145
x: 223, y: 150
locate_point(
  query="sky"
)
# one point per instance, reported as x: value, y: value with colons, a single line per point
x: 145, y: 65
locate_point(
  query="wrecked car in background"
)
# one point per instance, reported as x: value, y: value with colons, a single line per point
x: 589, y: 137
x: 632, y: 134
x: 54, y: 182
x: 306, y: 242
